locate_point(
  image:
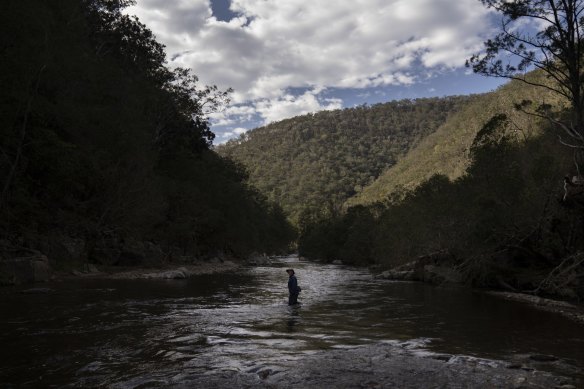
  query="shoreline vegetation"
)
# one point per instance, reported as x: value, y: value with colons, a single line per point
x: 106, y: 151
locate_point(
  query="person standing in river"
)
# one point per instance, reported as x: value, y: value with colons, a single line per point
x: 293, y: 287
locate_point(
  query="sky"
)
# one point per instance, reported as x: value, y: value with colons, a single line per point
x: 285, y: 58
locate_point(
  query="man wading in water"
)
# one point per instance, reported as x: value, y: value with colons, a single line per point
x: 293, y: 287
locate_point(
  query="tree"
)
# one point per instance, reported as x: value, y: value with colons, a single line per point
x: 103, y: 143
x: 555, y: 49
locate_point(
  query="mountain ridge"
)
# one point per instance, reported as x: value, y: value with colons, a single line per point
x: 447, y: 150
x: 318, y: 161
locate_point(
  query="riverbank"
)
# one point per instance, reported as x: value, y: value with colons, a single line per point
x: 35, y: 269
x: 567, y: 309
x: 439, y: 271
x: 167, y: 272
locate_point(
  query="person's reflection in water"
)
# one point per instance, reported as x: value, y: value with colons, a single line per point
x: 293, y: 319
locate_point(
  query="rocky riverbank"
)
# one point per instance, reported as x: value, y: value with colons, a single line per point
x: 385, y: 365
x: 165, y: 272
x: 36, y: 269
x: 110, y: 257
x: 438, y: 269
x: 435, y: 269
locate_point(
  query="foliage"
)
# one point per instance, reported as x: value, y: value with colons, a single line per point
x: 98, y: 135
x: 314, y: 163
x: 556, y: 49
x: 447, y: 151
x: 507, y: 208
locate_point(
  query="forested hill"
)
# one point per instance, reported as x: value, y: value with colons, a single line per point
x: 104, y: 151
x: 447, y: 151
x: 317, y: 161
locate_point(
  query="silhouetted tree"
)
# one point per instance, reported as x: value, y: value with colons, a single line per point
x: 551, y: 41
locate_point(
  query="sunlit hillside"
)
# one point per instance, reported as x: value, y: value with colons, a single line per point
x: 446, y: 151
x: 318, y: 161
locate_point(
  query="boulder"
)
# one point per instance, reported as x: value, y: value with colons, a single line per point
x: 398, y: 275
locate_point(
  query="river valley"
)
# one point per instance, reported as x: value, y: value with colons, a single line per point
x: 235, y: 330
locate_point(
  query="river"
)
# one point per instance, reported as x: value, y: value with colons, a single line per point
x: 153, y: 333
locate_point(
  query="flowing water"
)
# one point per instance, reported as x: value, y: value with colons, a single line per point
x: 147, y: 333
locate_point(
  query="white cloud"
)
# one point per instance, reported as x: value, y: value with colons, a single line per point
x: 276, y: 45
x: 288, y: 105
x: 226, y: 135
x: 235, y: 131
x: 232, y: 114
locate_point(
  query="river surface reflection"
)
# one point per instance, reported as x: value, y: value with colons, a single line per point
x: 128, y: 334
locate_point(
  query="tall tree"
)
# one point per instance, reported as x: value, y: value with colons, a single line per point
x: 102, y: 142
x: 551, y: 41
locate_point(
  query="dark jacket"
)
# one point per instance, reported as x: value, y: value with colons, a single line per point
x: 293, y: 285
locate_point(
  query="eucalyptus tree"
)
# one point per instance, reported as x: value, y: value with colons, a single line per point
x: 545, y: 35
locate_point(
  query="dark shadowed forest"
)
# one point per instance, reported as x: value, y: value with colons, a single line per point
x: 105, y: 151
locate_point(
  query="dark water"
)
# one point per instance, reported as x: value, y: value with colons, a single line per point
x: 128, y: 334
